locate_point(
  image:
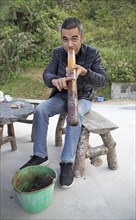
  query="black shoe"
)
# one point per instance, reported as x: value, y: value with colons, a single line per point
x: 35, y: 160
x: 66, y: 175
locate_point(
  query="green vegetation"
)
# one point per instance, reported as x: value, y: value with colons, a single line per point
x: 30, y: 30
x: 28, y: 85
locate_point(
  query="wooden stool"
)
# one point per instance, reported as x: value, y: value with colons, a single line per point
x: 95, y: 123
x: 10, y: 138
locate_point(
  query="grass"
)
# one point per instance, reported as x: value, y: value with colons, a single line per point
x: 27, y: 85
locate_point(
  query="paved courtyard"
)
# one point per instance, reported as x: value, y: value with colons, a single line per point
x: 100, y: 194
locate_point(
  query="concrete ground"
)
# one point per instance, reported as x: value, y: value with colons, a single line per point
x: 99, y: 194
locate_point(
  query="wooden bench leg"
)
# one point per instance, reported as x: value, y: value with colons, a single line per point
x: 60, y: 129
x: 32, y: 133
x: 84, y: 150
x: 1, y: 134
x: 95, y: 153
x: 111, y: 154
x: 10, y: 138
x: 11, y: 133
x: 96, y: 161
x: 81, y: 153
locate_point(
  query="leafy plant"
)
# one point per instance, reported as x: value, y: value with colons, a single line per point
x: 31, y: 29
x: 119, y: 64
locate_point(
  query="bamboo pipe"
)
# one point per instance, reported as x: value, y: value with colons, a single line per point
x: 72, y: 90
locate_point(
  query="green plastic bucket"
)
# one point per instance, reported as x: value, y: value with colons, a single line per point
x: 37, y: 200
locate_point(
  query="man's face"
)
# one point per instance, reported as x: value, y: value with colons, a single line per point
x: 71, y: 38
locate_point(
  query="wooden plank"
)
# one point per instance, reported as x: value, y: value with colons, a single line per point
x: 6, y: 139
x: 27, y: 121
x: 35, y: 101
x: 97, y: 123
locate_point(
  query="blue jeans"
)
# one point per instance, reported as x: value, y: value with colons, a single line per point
x: 53, y: 106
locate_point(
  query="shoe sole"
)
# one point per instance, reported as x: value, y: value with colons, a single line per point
x: 45, y: 163
x: 65, y: 186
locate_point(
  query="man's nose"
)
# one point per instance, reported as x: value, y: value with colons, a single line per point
x: 70, y: 44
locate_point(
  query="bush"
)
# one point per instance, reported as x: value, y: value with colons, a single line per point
x: 119, y: 64
x: 29, y: 32
x: 31, y: 29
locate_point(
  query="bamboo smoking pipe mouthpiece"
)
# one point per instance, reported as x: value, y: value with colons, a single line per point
x: 71, y: 62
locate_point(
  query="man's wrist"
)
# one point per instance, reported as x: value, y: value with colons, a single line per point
x: 84, y: 73
x: 52, y: 82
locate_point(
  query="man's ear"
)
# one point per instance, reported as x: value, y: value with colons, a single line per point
x: 82, y: 37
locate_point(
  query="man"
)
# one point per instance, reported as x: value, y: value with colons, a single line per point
x: 90, y: 73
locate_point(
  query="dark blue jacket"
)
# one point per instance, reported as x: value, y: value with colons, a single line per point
x: 89, y: 58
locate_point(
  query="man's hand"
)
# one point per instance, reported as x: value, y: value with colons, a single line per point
x: 79, y: 70
x: 61, y: 83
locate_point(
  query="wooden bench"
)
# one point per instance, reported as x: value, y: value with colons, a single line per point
x: 10, y: 136
x: 95, y: 123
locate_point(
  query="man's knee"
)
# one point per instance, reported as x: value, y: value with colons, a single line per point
x: 42, y: 109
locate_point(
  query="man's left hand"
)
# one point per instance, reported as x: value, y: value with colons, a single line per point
x: 80, y: 71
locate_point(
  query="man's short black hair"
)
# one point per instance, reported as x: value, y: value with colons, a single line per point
x: 70, y: 23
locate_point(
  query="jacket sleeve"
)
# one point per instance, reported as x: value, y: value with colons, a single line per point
x: 50, y: 72
x: 96, y: 72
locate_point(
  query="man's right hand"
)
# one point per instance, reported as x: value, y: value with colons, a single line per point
x: 61, y: 83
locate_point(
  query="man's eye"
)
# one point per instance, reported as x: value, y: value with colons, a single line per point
x: 75, y: 39
x: 64, y: 39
